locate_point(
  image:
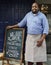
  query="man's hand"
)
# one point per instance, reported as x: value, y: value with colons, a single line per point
x: 39, y: 42
x: 13, y: 26
x: 8, y: 27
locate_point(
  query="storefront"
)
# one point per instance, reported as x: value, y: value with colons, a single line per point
x: 12, y: 11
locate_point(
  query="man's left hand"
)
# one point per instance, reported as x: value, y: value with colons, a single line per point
x: 39, y: 42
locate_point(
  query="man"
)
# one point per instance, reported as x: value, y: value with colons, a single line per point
x: 37, y: 29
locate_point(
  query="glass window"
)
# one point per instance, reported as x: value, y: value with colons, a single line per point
x: 49, y: 20
x: 48, y: 42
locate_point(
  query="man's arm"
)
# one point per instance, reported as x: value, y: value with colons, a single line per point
x: 45, y: 30
x: 13, y: 26
x: 20, y: 24
x: 40, y: 41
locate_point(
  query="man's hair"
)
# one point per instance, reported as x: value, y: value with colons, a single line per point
x: 36, y: 3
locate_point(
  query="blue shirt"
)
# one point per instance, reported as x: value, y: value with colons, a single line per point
x: 36, y: 23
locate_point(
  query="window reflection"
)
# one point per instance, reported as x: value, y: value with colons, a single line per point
x: 49, y: 20
x: 48, y: 42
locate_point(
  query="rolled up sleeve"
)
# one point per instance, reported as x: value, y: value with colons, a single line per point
x: 22, y: 22
x: 45, y: 26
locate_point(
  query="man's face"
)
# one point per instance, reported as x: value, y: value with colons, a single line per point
x: 35, y: 8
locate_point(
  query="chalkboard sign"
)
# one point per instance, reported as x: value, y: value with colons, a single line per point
x: 14, y: 43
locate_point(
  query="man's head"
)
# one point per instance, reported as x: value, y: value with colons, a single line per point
x: 35, y: 7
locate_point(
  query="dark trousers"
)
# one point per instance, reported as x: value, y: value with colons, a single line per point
x: 38, y: 63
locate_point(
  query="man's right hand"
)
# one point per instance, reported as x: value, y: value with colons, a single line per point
x: 13, y: 26
x: 9, y: 27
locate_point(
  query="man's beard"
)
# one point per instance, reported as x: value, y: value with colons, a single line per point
x: 34, y: 12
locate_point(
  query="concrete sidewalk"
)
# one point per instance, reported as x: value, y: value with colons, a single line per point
x: 16, y: 63
x: 12, y: 62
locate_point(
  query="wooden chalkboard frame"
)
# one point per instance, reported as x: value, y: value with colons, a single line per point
x: 5, y: 43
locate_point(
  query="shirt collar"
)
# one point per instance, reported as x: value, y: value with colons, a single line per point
x: 36, y: 13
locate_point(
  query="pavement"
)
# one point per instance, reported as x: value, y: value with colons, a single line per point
x: 13, y: 62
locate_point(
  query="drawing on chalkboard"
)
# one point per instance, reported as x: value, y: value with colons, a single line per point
x: 15, y: 36
x: 14, y: 43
